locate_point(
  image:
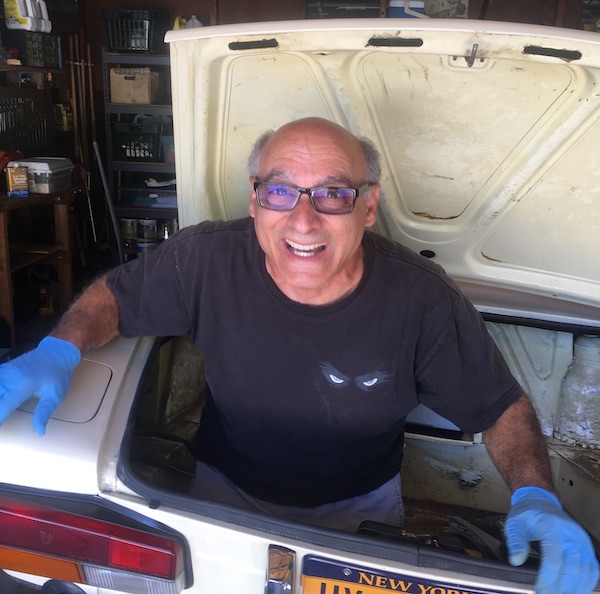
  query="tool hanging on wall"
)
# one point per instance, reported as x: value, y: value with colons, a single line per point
x: 74, y: 98
x: 83, y: 103
x: 84, y: 126
x: 90, y: 80
x: 110, y: 204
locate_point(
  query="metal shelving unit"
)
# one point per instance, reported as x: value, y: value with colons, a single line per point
x: 112, y: 111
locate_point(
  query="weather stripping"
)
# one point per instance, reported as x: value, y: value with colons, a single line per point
x: 396, y: 41
x: 563, y: 54
x: 250, y: 45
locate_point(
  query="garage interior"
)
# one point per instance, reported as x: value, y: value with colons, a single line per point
x: 85, y: 105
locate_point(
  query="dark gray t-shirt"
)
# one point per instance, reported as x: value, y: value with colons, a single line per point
x: 307, y: 404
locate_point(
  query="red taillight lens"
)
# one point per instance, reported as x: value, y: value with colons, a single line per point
x: 87, y: 541
x: 136, y: 557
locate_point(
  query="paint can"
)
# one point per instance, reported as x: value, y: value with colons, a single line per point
x: 130, y: 249
x: 129, y: 228
x: 142, y: 245
x: 146, y: 230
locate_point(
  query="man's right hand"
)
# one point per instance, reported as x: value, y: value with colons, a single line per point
x: 45, y: 372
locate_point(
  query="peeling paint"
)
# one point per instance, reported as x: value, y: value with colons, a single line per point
x: 467, y: 478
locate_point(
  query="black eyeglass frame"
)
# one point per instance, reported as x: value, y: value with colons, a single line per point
x: 310, y: 193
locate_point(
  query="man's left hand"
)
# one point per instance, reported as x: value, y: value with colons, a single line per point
x: 568, y: 561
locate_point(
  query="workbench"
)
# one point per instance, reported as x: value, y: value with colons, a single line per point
x: 15, y: 255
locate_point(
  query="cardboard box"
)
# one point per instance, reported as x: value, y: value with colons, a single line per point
x: 134, y: 85
x: 46, y: 174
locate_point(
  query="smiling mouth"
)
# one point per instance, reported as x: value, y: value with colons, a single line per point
x: 305, y: 250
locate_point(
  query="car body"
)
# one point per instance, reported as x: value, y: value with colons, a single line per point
x: 491, y: 166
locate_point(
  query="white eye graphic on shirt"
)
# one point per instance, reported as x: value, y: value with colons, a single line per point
x: 364, y: 382
x: 335, y: 379
x: 333, y: 376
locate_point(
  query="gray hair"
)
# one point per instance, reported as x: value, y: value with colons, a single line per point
x: 370, y: 153
x: 254, y: 158
x: 372, y: 160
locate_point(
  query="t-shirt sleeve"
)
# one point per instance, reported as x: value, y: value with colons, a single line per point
x: 149, y: 293
x: 461, y: 373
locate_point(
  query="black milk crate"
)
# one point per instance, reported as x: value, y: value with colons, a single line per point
x: 131, y: 30
x: 137, y: 142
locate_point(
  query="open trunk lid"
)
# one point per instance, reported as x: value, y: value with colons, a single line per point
x: 488, y: 133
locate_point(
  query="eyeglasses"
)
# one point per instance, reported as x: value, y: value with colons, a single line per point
x: 325, y: 200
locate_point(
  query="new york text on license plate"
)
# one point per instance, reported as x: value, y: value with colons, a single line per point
x: 325, y: 576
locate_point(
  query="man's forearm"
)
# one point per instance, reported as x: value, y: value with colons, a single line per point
x: 92, y: 320
x: 518, y: 448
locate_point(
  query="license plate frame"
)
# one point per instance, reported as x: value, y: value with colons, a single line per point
x: 321, y: 575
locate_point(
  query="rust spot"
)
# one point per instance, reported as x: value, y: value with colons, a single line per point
x: 428, y: 215
x: 587, y: 460
x: 490, y: 258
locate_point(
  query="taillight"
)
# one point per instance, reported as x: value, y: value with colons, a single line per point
x: 76, y: 548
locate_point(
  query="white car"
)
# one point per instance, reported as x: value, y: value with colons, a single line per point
x: 490, y: 142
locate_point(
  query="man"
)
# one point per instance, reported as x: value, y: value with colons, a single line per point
x: 319, y: 337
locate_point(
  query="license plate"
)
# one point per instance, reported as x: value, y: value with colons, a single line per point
x: 325, y: 576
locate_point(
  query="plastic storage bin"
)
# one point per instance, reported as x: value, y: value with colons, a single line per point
x: 316, y: 9
x: 149, y: 197
x: 136, y: 142
x: 397, y: 8
x: 167, y: 143
x: 131, y: 30
x: 46, y: 174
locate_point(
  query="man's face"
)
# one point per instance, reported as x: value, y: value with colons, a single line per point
x: 314, y: 258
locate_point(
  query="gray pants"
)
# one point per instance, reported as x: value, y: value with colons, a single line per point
x: 383, y: 504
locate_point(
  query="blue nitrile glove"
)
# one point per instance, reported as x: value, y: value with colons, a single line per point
x: 44, y: 372
x: 568, y: 561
